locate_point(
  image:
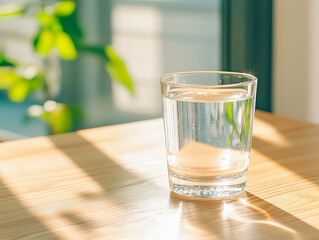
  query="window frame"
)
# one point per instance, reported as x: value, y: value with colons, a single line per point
x: 247, y: 43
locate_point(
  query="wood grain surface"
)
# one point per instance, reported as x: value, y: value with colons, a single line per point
x: 111, y: 183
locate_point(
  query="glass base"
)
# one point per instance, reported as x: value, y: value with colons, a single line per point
x: 219, y: 189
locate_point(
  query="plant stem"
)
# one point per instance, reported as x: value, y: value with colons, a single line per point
x: 45, y: 82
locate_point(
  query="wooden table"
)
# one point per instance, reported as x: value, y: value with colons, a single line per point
x: 111, y: 183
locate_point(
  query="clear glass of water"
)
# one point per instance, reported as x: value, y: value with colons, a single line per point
x: 208, y: 121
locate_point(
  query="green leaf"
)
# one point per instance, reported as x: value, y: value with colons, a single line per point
x: 65, y: 8
x: 7, y: 77
x: 19, y: 83
x: 5, y: 62
x: 60, y: 119
x: 35, y: 83
x: 46, y: 20
x: 44, y: 42
x: 66, y: 46
x: 19, y: 90
x: 71, y: 26
x: 117, y: 70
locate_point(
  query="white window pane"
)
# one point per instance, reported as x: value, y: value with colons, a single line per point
x: 155, y: 38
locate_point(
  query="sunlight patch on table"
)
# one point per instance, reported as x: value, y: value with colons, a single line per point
x: 263, y: 130
x: 60, y: 195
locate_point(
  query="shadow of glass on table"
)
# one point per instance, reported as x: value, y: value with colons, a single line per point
x: 246, y: 217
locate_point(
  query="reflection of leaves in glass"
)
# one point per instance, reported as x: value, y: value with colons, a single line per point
x: 229, y: 118
x: 244, y: 133
x: 229, y: 112
x: 244, y: 129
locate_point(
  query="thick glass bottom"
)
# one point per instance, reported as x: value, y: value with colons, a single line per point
x: 221, y: 188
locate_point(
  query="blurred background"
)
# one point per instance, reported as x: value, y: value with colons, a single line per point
x: 69, y: 65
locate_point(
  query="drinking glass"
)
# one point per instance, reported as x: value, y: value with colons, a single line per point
x: 208, y: 123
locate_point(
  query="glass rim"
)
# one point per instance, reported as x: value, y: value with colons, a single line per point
x: 253, y: 79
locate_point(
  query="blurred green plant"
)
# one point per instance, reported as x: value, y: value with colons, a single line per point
x: 59, y: 31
